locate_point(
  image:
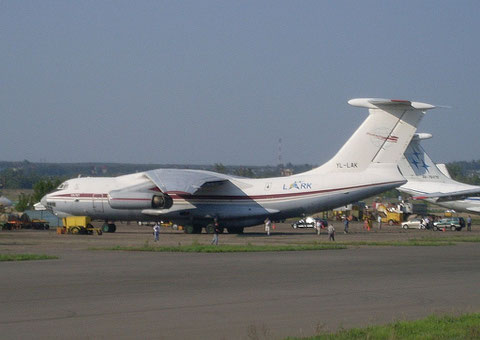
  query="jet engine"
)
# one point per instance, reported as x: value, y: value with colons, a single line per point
x: 121, y: 199
x: 162, y: 201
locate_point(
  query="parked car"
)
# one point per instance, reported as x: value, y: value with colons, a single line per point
x: 309, y: 222
x: 452, y: 223
x: 416, y: 223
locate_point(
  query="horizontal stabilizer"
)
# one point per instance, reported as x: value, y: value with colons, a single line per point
x: 422, y: 136
x: 374, y: 103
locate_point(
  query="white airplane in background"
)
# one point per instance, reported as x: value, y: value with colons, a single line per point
x: 5, y: 202
x: 432, y: 182
x: 366, y: 165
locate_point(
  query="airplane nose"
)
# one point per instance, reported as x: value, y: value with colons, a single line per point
x: 42, y: 205
x: 44, y: 200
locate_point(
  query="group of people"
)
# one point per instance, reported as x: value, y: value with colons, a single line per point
x: 268, y: 225
x: 318, y: 226
x: 425, y: 223
x: 368, y: 221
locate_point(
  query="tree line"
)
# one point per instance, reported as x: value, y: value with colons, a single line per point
x: 45, y: 177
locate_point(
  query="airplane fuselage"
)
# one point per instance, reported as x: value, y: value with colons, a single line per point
x: 240, y: 202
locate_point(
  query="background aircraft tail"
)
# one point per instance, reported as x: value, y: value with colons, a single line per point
x: 382, y: 137
x: 416, y: 165
x: 427, y: 180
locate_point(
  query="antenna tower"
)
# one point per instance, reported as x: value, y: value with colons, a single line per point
x: 280, y: 158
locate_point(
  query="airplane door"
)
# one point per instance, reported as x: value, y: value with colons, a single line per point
x: 97, y: 201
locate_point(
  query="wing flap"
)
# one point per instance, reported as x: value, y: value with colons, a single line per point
x: 160, y: 212
x: 184, y: 180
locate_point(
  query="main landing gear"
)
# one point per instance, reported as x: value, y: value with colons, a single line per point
x: 109, y: 227
x: 210, y: 229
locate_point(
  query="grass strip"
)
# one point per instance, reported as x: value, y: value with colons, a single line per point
x: 202, y: 248
x: 26, y: 257
x: 207, y: 248
x: 459, y: 238
x: 465, y: 326
x: 406, y: 243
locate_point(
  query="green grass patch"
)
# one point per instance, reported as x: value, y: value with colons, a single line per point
x: 454, y: 238
x: 207, y: 248
x: 406, y: 243
x: 466, y: 326
x: 26, y: 257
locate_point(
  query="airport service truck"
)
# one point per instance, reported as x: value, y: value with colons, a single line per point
x: 78, y: 225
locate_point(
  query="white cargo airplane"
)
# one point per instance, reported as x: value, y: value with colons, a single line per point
x: 366, y: 165
x: 432, y: 182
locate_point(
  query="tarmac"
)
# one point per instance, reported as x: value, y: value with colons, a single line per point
x: 100, y: 294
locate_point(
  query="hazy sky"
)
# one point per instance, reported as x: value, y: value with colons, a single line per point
x: 203, y: 82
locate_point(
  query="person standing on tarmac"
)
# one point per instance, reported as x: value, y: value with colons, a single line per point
x: 379, y: 220
x: 216, y: 231
x: 331, y: 232
x: 346, y: 222
x: 469, y: 223
x: 156, y: 231
x: 268, y: 224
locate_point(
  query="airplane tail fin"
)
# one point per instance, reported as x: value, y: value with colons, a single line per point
x: 382, y: 137
x: 417, y: 165
x: 424, y: 177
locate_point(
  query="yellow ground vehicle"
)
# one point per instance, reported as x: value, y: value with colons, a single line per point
x: 80, y: 225
x: 390, y: 215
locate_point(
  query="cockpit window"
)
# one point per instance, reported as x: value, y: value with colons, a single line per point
x: 63, y: 186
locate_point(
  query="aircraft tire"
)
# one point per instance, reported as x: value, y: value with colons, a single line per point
x: 105, y: 227
x: 210, y: 229
x: 112, y: 227
x: 235, y: 230
x: 189, y: 229
x: 197, y: 229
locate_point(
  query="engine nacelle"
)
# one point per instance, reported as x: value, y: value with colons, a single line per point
x: 119, y: 199
x: 162, y: 201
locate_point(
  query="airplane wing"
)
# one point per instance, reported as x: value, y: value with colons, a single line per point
x: 450, y: 196
x: 184, y: 180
